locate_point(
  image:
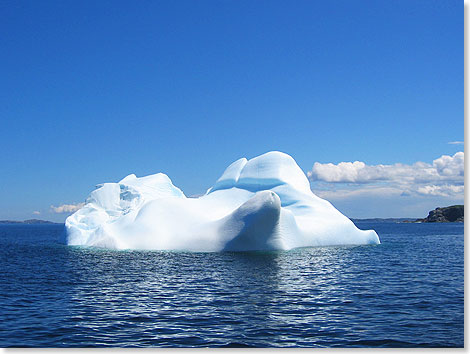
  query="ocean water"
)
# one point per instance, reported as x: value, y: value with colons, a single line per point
x: 406, y: 292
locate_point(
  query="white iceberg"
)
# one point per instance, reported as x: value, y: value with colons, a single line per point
x: 260, y: 204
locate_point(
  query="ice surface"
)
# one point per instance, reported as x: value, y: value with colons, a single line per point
x: 260, y: 204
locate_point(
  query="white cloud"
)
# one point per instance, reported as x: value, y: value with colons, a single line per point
x: 444, y: 177
x: 455, y: 142
x: 442, y: 191
x: 36, y: 212
x: 452, y: 166
x: 67, y: 208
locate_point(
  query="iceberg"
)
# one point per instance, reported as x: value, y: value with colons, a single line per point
x: 264, y: 203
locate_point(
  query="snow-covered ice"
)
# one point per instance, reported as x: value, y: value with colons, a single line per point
x: 260, y: 204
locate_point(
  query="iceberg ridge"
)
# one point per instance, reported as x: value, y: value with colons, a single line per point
x: 264, y: 203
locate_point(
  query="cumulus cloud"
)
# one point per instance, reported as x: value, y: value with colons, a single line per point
x: 67, y: 208
x: 442, y: 191
x: 36, y: 212
x: 444, y: 177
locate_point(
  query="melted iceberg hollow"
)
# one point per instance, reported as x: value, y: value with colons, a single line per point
x: 260, y: 204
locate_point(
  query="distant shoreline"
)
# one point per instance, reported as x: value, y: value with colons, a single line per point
x: 383, y: 220
x: 29, y: 222
x: 402, y: 220
x: 453, y: 213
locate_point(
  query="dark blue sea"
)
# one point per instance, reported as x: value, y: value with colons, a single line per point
x: 406, y: 292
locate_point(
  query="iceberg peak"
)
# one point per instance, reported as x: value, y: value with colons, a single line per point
x: 266, y: 171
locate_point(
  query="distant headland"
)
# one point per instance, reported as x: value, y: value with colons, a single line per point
x: 453, y: 213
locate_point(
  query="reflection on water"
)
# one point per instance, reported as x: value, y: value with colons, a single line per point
x: 405, y: 292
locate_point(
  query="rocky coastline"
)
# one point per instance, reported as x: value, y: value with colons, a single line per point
x: 453, y: 213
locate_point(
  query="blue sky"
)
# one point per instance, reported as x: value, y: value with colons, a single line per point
x: 92, y: 91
